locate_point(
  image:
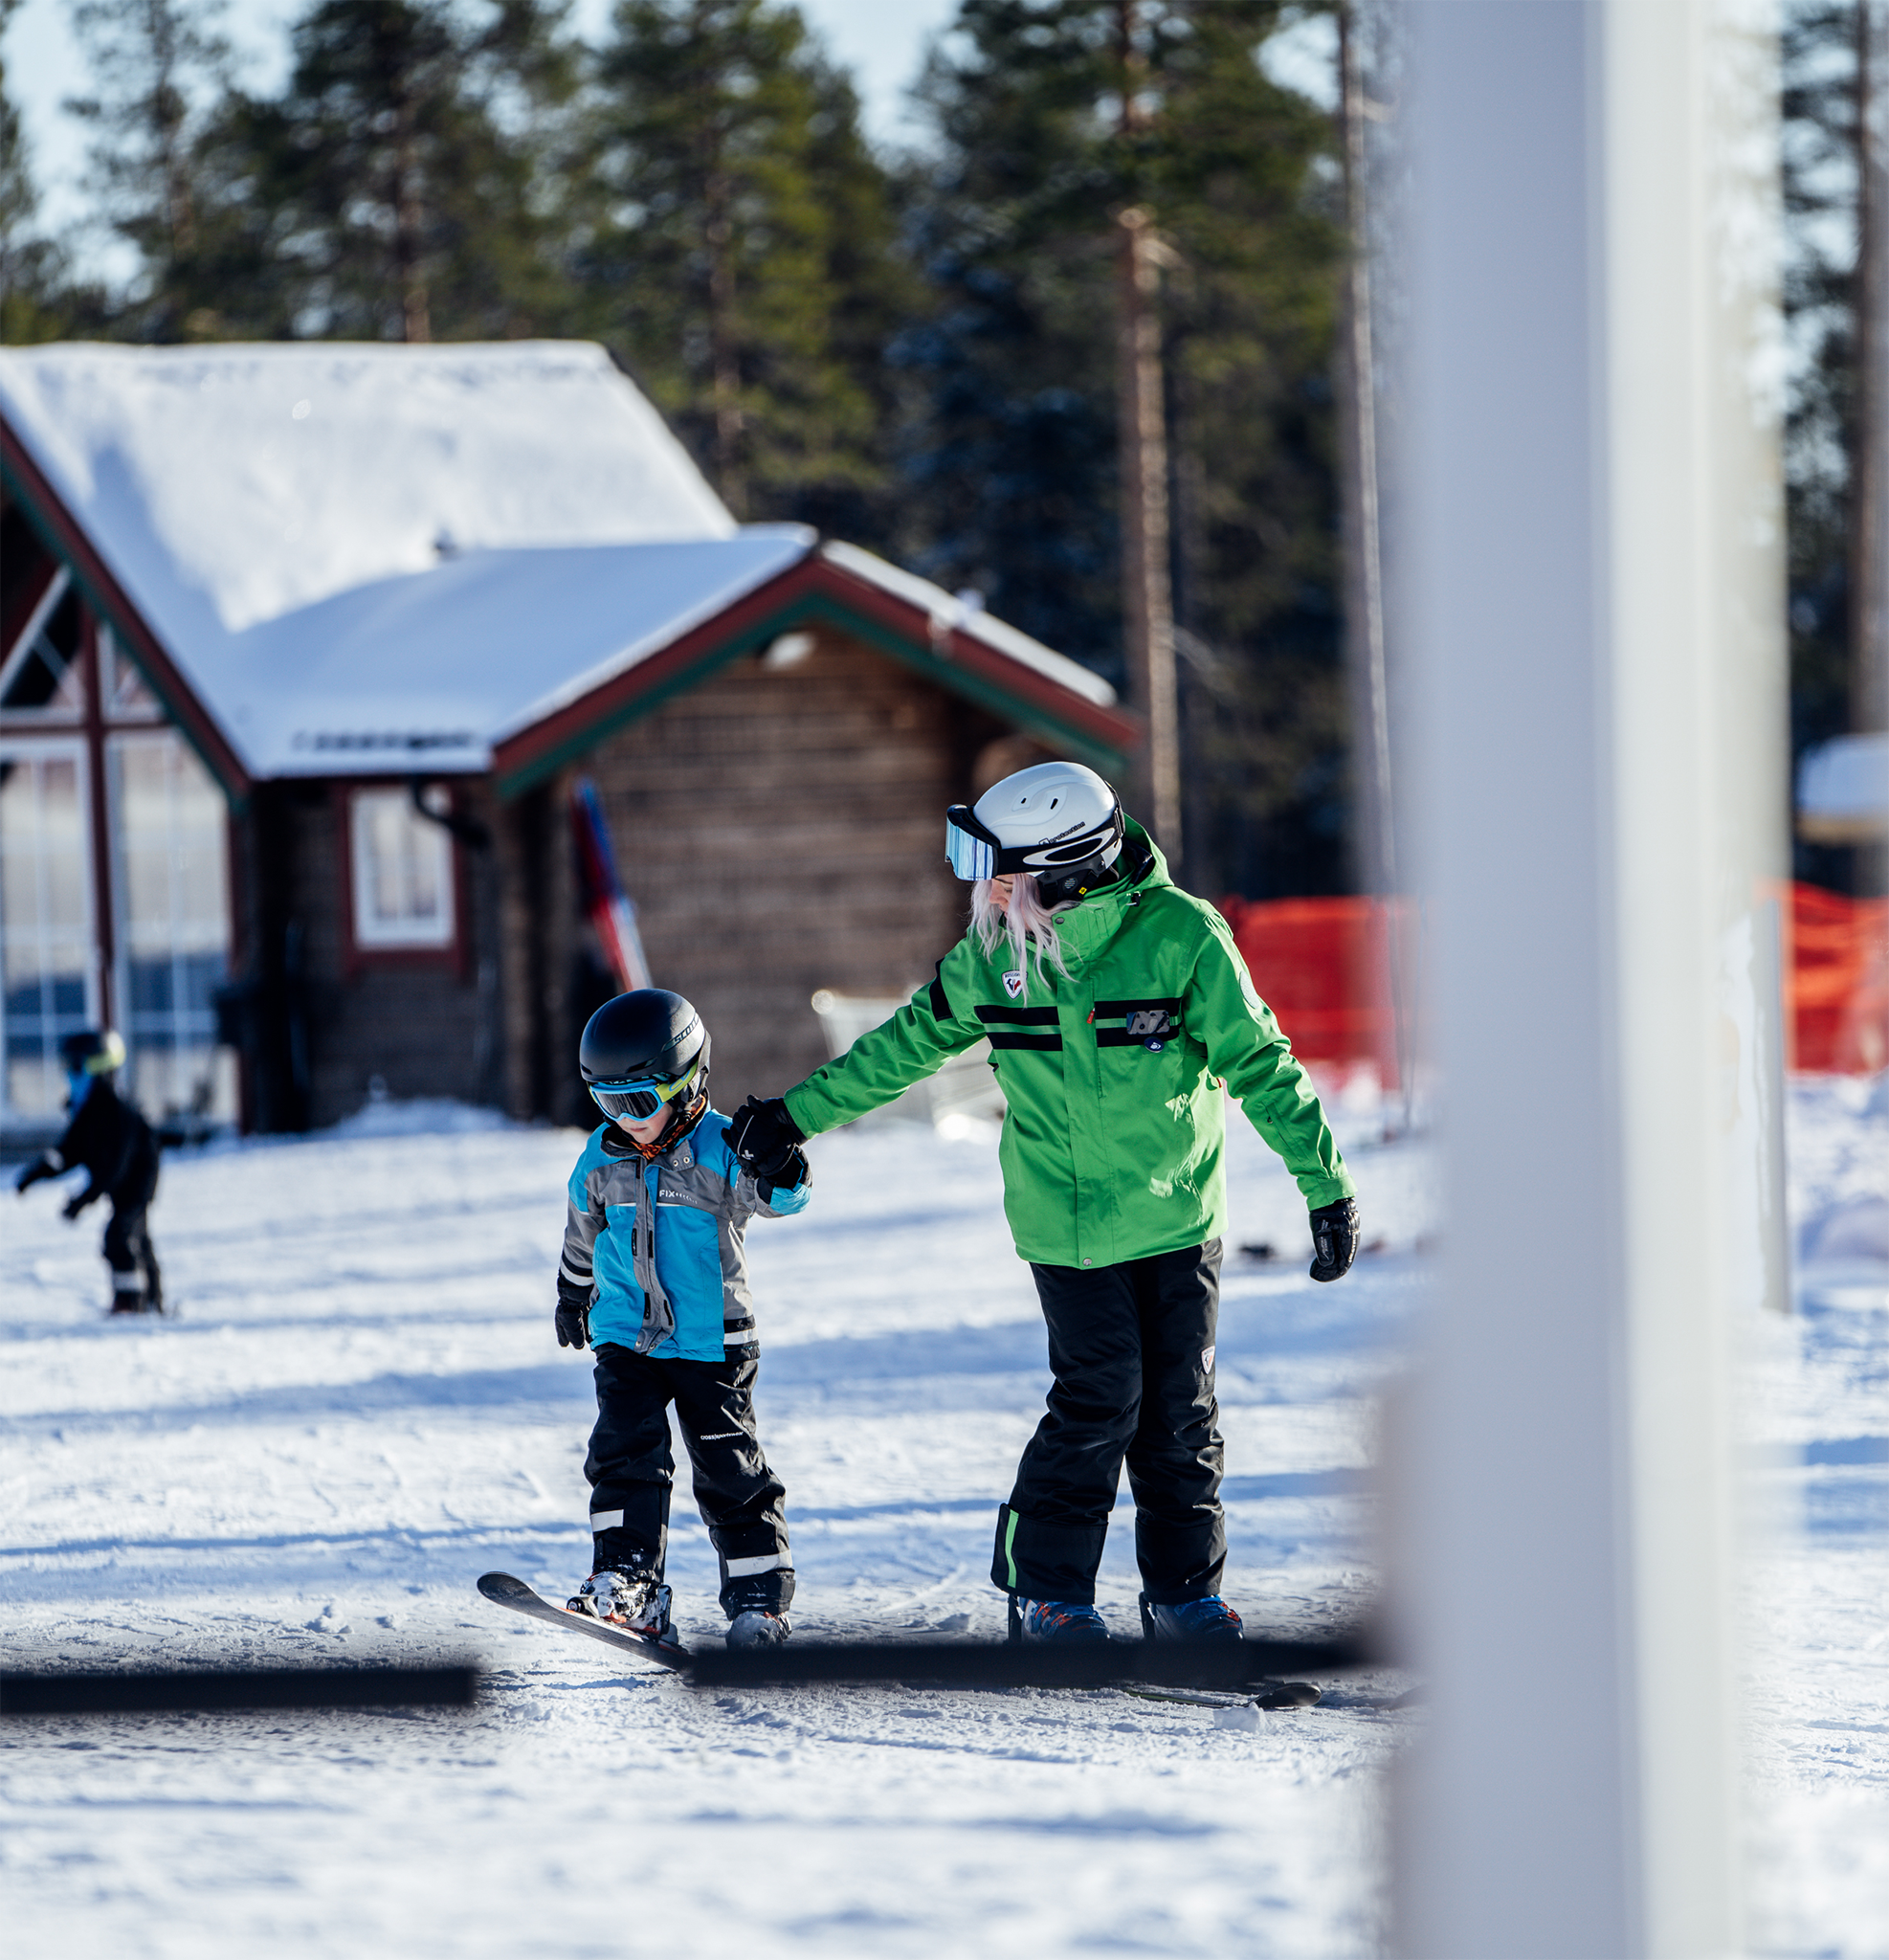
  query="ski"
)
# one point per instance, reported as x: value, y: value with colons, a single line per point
x: 502, y: 1590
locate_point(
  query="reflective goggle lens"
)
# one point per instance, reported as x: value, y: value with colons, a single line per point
x: 970, y: 856
x: 638, y: 1101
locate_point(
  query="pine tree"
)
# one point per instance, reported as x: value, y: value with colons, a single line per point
x: 1819, y: 181
x: 393, y: 190
x: 157, y: 65
x: 1015, y: 460
x: 743, y: 259
x: 37, y: 300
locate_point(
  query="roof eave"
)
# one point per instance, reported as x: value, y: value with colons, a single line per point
x: 66, y: 538
x: 813, y: 592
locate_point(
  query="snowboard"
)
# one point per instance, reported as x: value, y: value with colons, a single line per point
x: 1125, y: 1666
x: 1272, y: 1695
x: 502, y: 1590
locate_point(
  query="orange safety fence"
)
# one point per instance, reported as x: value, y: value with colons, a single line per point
x: 1839, y: 981
x: 1323, y: 966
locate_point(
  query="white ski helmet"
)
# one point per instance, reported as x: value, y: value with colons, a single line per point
x: 1057, y: 822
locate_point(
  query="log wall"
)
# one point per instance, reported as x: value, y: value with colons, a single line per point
x: 424, y: 1025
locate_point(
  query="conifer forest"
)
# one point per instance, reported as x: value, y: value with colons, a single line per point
x: 914, y: 350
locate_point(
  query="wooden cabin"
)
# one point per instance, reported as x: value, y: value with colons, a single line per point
x: 302, y: 649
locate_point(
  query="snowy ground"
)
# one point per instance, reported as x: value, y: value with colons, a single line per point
x: 361, y: 1408
x: 1818, y: 1582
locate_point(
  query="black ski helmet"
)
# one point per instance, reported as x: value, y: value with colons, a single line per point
x: 93, y: 1052
x: 651, y: 1036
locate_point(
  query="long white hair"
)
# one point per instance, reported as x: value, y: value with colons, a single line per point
x: 1026, y: 921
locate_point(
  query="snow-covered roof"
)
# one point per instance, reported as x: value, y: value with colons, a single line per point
x: 429, y: 670
x: 1843, y: 788
x: 375, y: 558
x: 974, y: 621
x: 227, y: 485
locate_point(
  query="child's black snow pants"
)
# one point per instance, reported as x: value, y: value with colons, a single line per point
x: 631, y: 1470
x: 1131, y: 1348
x: 137, y: 1287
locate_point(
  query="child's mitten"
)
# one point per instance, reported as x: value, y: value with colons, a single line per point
x: 574, y: 1314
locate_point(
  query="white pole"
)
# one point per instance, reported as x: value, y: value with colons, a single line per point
x: 1598, y: 625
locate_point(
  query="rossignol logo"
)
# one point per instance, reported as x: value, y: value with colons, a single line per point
x: 1013, y: 983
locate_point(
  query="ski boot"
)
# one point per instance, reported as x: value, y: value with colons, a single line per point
x: 1210, y: 1619
x: 633, y: 1601
x: 757, y: 1627
x: 1055, y: 1621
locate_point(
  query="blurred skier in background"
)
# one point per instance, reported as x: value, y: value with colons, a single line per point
x: 109, y: 1138
x: 1116, y: 1008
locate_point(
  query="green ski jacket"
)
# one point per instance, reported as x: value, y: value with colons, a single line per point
x: 1115, y: 1142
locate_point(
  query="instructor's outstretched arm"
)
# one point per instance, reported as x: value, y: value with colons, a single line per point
x: 935, y: 1024
x: 1247, y: 1049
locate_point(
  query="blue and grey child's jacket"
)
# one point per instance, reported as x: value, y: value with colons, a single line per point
x: 662, y: 1243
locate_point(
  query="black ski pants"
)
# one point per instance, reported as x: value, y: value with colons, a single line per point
x: 1131, y: 1348
x: 136, y: 1284
x: 631, y: 1470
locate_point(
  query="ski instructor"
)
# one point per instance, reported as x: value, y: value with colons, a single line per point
x: 1116, y: 1005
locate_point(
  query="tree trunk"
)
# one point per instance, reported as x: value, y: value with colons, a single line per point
x: 1372, y: 773
x: 1364, y: 564
x: 1148, y: 605
x: 1146, y: 598
x: 1868, y: 471
x: 724, y: 357
x: 408, y: 220
x: 167, y: 116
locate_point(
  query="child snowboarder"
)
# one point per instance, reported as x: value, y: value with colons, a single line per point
x: 654, y: 1278
x: 107, y: 1136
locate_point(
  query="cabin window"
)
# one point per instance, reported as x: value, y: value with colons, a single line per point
x: 45, y: 923
x: 127, y: 697
x: 403, y: 873
x: 172, y: 887
x: 41, y: 677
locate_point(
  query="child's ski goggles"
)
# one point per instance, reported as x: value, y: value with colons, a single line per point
x: 640, y: 1099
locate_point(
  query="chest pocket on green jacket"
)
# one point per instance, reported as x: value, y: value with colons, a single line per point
x: 1152, y: 1024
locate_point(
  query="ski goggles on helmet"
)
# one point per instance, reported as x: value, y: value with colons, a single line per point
x: 640, y: 1097
x: 976, y: 851
x: 972, y: 849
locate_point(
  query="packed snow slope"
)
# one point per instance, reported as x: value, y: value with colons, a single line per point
x: 362, y: 1408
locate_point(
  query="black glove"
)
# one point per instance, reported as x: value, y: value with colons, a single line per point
x: 767, y: 1141
x: 1335, y: 1238
x: 792, y: 1176
x: 40, y: 1167
x: 75, y: 1205
x: 574, y: 1314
